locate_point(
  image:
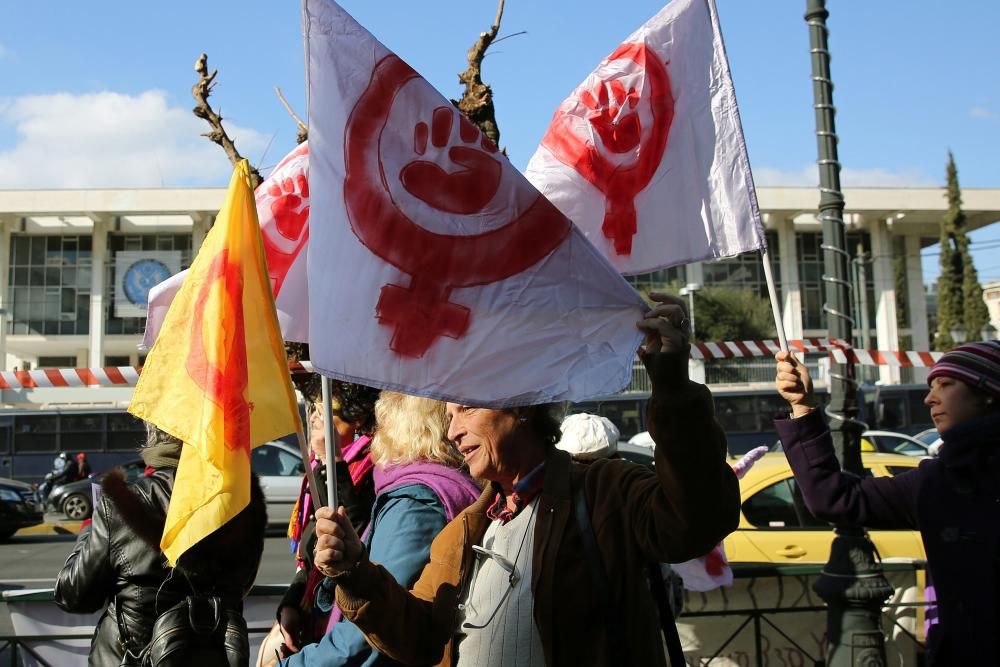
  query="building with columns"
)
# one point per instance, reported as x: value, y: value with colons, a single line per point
x: 74, y: 264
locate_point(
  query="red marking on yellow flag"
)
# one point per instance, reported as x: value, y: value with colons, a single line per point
x: 224, y: 377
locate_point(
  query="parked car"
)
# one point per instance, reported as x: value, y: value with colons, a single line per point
x: 886, y: 442
x: 279, y: 466
x: 932, y: 439
x: 76, y: 499
x: 890, y: 442
x: 636, y: 453
x: 20, y: 507
x: 776, y: 527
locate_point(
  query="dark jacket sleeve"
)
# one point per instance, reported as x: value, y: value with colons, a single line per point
x: 86, y: 581
x: 842, y: 497
x: 694, y: 500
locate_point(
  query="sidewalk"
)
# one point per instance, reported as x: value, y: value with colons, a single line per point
x: 55, y: 524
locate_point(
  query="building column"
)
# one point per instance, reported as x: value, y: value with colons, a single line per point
x: 98, y: 254
x: 200, y: 224
x: 694, y: 273
x: 5, y: 313
x: 791, y: 296
x: 917, y: 301
x: 884, y: 278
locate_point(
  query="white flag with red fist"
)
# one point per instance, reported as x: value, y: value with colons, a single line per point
x: 283, y: 210
x: 647, y: 154
x: 435, y: 268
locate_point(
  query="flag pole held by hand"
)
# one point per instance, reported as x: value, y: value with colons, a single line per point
x: 331, y: 458
x: 310, y: 473
x: 779, y: 324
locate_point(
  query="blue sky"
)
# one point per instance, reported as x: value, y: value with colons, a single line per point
x: 99, y: 95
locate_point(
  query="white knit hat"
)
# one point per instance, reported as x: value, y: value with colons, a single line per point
x: 588, y: 437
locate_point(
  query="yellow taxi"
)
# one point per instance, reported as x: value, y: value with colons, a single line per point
x: 776, y: 527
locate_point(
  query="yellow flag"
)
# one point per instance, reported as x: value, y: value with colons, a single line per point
x: 217, y: 377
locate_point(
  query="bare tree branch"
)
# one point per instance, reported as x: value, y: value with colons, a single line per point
x: 303, y: 134
x: 477, y: 100
x: 201, y: 91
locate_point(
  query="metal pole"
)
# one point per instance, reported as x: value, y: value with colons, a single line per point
x: 866, y: 334
x: 691, y: 310
x: 852, y: 584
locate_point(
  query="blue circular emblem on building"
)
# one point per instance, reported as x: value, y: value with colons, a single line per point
x: 141, y: 277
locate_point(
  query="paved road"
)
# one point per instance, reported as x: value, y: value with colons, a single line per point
x: 33, y: 561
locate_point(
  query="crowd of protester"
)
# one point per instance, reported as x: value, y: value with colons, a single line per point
x: 475, y: 536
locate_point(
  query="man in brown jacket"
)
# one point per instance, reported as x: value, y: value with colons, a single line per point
x: 508, y: 582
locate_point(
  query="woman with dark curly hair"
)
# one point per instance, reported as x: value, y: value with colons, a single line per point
x: 299, y: 622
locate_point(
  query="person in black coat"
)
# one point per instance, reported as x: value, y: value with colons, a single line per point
x: 117, y: 563
x: 954, y: 500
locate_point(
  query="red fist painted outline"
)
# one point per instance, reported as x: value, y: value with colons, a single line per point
x: 619, y: 183
x: 620, y: 130
x: 465, y: 191
x: 284, y: 240
x: 437, y: 263
x: 288, y: 208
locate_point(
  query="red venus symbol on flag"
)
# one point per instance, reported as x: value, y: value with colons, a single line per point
x: 222, y: 373
x: 614, y: 114
x: 436, y: 263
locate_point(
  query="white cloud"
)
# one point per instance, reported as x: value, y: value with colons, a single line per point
x: 982, y: 112
x: 112, y: 140
x: 5, y: 52
x: 854, y: 178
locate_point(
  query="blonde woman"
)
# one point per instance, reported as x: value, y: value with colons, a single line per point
x: 419, y: 487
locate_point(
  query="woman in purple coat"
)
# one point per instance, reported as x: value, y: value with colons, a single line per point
x: 954, y: 500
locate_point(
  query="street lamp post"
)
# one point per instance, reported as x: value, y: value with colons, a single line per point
x: 958, y: 333
x: 852, y: 583
x: 988, y: 332
x: 688, y: 291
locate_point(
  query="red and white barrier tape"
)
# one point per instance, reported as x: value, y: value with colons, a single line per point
x: 841, y: 353
x: 759, y: 348
x: 907, y: 359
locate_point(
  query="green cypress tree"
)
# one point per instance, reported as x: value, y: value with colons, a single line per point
x: 960, y: 296
x: 950, y: 297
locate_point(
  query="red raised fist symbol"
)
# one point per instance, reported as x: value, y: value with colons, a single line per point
x: 289, y: 210
x: 286, y: 195
x: 421, y: 312
x: 619, y: 128
x: 613, y: 112
x: 464, y: 191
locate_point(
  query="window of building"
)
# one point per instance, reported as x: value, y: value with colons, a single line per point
x: 658, y: 280
x: 901, y: 280
x: 810, y: 256
x: 745, y: 271
x: 812, y: 288
x: 49, y: 284
x: 117, y: 360
x: 152, y: 242
x: 56, y: 362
